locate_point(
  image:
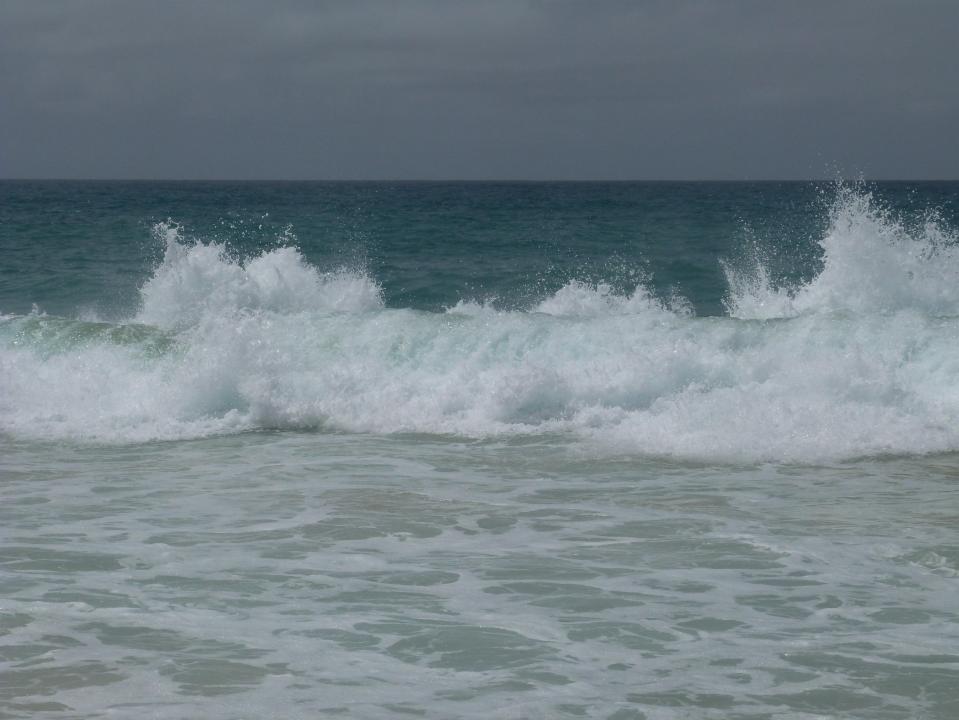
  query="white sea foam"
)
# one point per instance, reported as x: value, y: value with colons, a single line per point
x: 860, y: 361
x: 198, y: 281
x: 579, y: 299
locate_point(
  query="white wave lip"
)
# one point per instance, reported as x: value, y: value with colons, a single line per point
x: 860, y: 361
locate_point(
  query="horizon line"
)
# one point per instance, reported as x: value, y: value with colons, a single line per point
x: 476, y: 180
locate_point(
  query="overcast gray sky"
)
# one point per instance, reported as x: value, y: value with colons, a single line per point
x: 512, y: 89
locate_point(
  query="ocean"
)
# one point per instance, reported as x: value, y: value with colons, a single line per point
x: 479, y: 450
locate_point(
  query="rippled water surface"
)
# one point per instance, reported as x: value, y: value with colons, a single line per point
x: 277, y: 575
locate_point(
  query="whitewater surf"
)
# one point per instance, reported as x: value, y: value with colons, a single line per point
x: 857, y: 361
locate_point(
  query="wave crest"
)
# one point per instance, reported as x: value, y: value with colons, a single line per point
x: 201, y: 280
x: 872, y: 262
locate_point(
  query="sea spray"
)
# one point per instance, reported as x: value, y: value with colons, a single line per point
x: 873, y: 262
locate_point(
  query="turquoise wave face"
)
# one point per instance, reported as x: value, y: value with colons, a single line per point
x: 47, y: 336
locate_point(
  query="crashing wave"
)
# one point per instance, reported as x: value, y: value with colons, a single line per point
x: 859, y: 361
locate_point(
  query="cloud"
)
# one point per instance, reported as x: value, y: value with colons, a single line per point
x: 431, y: 89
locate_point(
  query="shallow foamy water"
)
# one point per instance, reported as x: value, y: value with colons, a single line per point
x: 304, y: 575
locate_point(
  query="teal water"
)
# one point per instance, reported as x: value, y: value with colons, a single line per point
x: 90, y: 245
x: 627, y: 450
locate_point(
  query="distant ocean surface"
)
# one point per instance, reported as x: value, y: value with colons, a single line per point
x: 479, y: 450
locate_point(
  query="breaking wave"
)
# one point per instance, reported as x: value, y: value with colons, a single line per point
x: 861, y: 360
